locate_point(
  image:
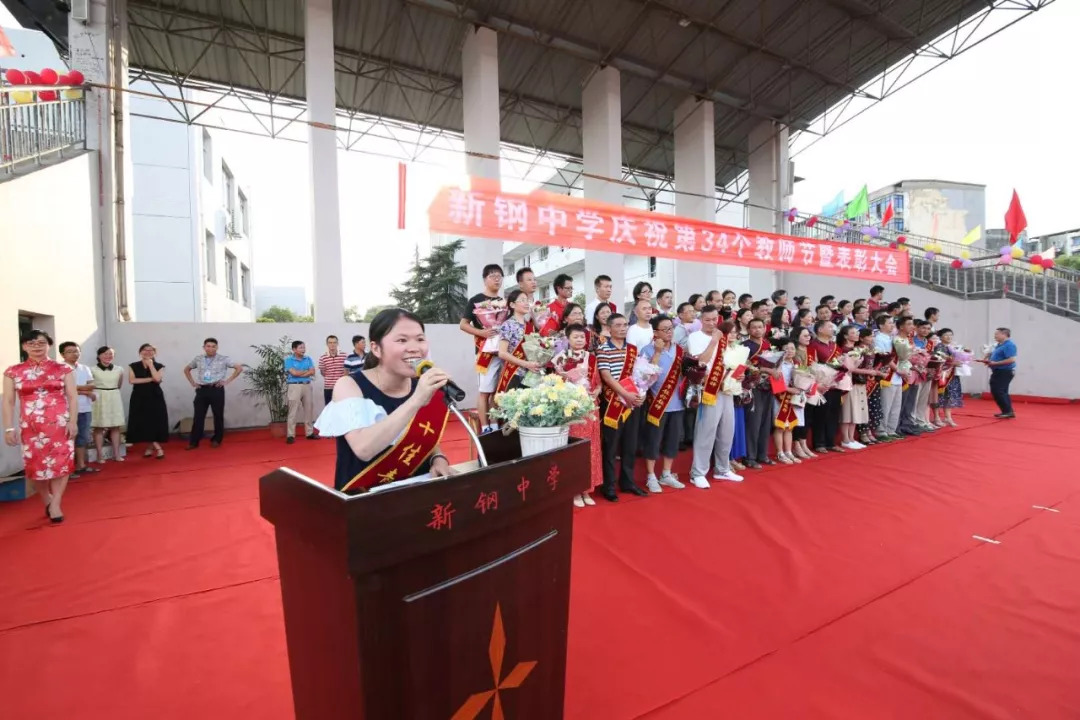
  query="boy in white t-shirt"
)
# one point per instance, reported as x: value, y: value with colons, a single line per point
x: 84, y: 386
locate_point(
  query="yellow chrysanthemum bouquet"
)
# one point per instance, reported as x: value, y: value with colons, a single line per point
x: 552, y: 403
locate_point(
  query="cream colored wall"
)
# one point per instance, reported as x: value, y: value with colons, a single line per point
x: 51, y: 263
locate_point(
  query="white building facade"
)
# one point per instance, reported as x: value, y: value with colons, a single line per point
x: 192, y: 224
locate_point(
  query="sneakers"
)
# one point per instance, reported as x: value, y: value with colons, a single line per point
x: 652, y: 485
x: 700, y: 482
x: 728, y: 475
x: 853, y: 445
x: 671, y: 481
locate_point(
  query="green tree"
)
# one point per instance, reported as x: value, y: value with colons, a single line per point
x: 276, y: 313
x: 352, y: 314
x: 579, y: 299
x: 373, y: 311
x: 1072, y: 262
x: 436, y: 288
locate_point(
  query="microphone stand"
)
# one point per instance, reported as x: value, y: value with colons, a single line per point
x: 468, y: 428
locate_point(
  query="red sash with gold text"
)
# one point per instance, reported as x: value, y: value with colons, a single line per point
x: 483, y: 359
x: 716, y: 374
x: 402, y: 459
x: 659, y: 403
x: 509, y: 369
x: 617, y: 411
x: 786, y: 419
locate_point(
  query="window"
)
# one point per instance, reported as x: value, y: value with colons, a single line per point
x: 207, y: 156
x: 245, y: 285
x: 545, y: 292
x: 230, y: 275
x: 508, y: 271
x: 543, y: 254
x: 242, y: 206
x: 211, y: 271
x: 898, y: 202
x: 652, y: 267
x: 227, y: 186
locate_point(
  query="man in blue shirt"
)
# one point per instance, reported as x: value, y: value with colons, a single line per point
x: 662, y: 440
x: 299, y: 369
x: 1002, y: 364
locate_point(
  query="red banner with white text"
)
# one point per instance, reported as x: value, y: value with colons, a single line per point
x: 544, y: 218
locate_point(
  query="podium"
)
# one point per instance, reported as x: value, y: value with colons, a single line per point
x: 442, y: 599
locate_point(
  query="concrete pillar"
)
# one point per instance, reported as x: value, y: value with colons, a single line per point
x: 322, y: 160
x: 695, y: 172
x: 480, y: 109
x: 99, y: 49
x: 769, y: 191
x: 601, y: 138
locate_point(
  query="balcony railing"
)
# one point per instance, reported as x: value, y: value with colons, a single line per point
x: 1056, y: 290
x: 34, y: 132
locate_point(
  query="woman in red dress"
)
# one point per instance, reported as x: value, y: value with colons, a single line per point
x: 47, y: 427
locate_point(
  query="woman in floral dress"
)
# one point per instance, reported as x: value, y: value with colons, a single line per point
x: 46, y: 427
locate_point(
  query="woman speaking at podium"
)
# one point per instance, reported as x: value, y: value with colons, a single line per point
x: 388, y: 422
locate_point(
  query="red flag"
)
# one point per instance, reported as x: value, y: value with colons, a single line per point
x: 6, y: 50
x: 887, y: 216
x: 1015, y: 222
x: 401, y: 196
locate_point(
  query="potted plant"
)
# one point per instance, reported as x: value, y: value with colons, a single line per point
x: 542, y: 415
x: 266, y: 382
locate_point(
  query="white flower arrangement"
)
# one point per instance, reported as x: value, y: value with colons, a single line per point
x: 552, y: 403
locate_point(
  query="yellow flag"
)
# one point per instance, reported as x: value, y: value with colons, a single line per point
x: 972, y: 237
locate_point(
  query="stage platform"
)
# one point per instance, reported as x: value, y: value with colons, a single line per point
x: 852, y: 587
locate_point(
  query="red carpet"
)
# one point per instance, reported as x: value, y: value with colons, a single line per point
x: 841, y: 588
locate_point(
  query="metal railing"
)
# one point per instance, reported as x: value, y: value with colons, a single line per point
x: 34, y: 132
x: 1056, y: 290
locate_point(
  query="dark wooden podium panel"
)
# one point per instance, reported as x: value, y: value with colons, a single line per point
x: 435, y: 600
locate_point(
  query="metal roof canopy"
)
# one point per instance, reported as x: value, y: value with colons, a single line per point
x: 806, y: 64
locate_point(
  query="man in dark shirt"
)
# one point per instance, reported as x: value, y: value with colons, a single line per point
x: 493, y: 277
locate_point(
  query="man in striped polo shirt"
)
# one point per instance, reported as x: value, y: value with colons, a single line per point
x: 618, y: 434
x: 331, y: 367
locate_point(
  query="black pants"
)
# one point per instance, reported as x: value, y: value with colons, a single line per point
x: 999, y: 388
x: 327, y: 395
x: 208, y: 396
x: 623, y: 442
x: 827, y: 420
x: 689, y: 421
x: 759, y: 425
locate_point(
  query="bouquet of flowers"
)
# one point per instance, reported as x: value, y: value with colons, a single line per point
x: 963, y: 359
x: 824, y: 375
x: 903, y: 349
x: 540, y: 315
x: 644, y: 374
x: 804, y: 379
x: 552, y: 403
x: 694, y: 373
x: 540, y: 350
x: 988, y: 348
x: 734, y: 358
x: 491, y: 314
x: 920, y: 363
x: 574, y: 364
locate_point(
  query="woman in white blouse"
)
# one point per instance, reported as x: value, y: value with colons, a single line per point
x: 373, y: 411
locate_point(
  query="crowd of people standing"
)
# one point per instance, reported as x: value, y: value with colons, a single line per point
x: 734, y: 415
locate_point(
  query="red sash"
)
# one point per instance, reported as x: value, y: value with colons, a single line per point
x: 667, y: 389
x: 617, y: 411
x: 786, y: 419
x: 716, y: 374
x: 401, y: 460
x: 483, y: 359
x: 944, y: 378
x: 509, y: 369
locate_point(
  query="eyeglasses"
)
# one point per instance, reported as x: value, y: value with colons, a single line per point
x: 37, y: 343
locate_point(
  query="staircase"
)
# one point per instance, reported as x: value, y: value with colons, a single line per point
x: 1056, y: 291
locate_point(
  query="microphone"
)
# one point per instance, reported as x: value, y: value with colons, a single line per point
x: 452, y: 392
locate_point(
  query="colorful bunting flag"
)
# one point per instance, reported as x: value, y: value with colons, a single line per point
x: 1015, y: 222
x: 834, y: 207
x: 887, y: 216
x: 972, y: 237
x: 859, y: 206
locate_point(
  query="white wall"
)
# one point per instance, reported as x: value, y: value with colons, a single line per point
x: 52, y: 260
x: 1043, y: 341
x: 179, y: 343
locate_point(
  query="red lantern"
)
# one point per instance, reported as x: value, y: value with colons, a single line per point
x: 47, y: 95
x: 900, y: 240
x: 1048, y: 263
x: 32, y: 78
x: 49, y: 76
x: 15, y: 77
x: 76, y: 77
x: 957, y: 264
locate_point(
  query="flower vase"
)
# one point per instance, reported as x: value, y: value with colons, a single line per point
x: 535, y: 440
